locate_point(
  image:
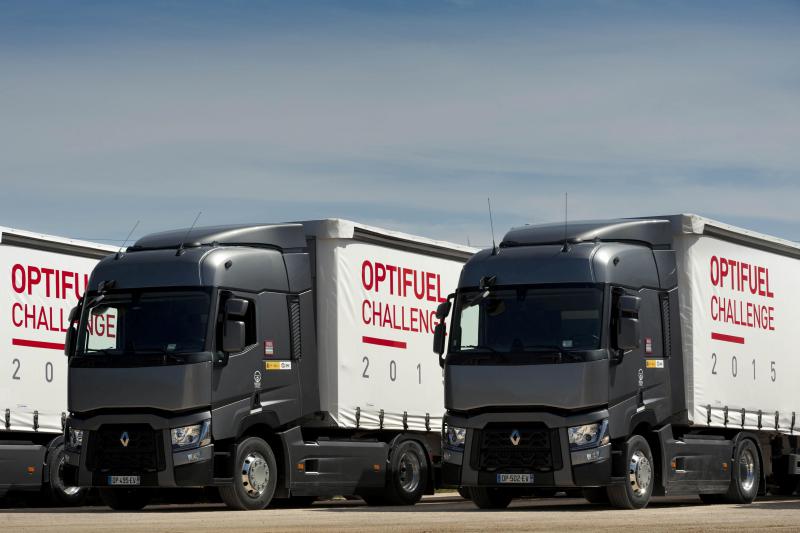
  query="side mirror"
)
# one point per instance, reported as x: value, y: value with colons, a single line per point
x: 628, y: 327
x: 72, y: 333
x: 233, y: 336
x: 236, y: 307
x: 71, y: 340
x: 443, y: 310
x: 439, y: 334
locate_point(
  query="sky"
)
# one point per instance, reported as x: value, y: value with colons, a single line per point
x: 404, y: 115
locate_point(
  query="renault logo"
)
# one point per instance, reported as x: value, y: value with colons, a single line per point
x: 515, y: 437
x: 124, y: 439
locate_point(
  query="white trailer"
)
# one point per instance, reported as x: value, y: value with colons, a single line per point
x: 738, y: 291
x: 377, y: 294
x: 41, y: 279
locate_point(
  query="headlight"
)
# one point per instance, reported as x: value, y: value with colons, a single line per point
x: 588, y: 435
x: 74, y: 439
x: 194, y: 436
x: 454, y: 437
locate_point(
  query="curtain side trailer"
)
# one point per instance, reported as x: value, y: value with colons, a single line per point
x: 43, y: 276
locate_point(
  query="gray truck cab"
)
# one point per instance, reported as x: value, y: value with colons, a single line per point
x: 559, y: 348
x: 164, y: 400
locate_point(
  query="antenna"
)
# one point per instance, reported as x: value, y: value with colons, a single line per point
x: 565, y: 248
x: 180, y: 248
x: 119, y: 252
x: 491, y: 224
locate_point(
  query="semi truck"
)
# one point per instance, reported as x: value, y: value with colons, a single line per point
x: 43, y: 277
x: 627, y: 358
x: 277, y: 362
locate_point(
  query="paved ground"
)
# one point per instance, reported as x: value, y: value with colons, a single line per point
x: 433, y: 514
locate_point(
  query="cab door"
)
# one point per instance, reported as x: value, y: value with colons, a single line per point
x: 641, y: 378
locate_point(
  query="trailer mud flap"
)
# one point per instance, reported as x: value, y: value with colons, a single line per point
x: 328, y: 467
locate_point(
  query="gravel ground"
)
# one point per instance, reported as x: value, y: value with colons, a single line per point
x: 433, y: 514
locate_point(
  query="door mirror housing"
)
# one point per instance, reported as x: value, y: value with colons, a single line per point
x: 233, y: 336
x: 439, y: 334
x: 443, y: 310
x: 628, y: 334
x: 71, y: 340
x: 236, y: 307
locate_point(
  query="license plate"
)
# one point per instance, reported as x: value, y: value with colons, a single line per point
x: 124, y: 480
x: 515, y: 478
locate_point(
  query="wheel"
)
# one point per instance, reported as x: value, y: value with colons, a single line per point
x: 255, y: 477
x: 745, y: 473
x: 464, y: 493
x: 59, y: 493
x: 293, y: 502
x: 126, y: 499
x: 635, y: 494
x: 407, y: 478
x: 490, y: 497
x: 596, y: 495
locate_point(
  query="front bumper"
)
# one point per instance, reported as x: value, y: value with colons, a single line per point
x: 551, y: 465
x: 147, y: 454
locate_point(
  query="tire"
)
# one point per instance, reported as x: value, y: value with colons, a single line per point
x: 491, y: 497
x: 57, y: 492
x: 126, y: 499
x: 640, y: 474
x: 407, y: 478
x: 464, y: 493
x: 255, y: 476
x: 597, y: 495
x: 745, y: 473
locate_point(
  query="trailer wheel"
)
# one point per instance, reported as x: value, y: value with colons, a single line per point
x: 126, y: 499
x: 491, y: 497
x: 745, y: 473
x: 255, y: 476
x: 407, y: 478
x: 60, y: 493
x: 639, y: 476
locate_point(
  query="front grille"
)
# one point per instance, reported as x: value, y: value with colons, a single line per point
x: 144, y: 451
x: 537, y: 448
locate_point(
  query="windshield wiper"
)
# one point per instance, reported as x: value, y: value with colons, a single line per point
x: 547, y: 348
x: 478, y: 347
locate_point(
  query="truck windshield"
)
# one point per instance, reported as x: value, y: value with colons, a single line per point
x: 155, y: 323
x: 527, y: 319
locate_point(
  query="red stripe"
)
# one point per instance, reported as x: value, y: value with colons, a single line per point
x: 384, y: 342
x: 727, y: 338
x: 37, y: 344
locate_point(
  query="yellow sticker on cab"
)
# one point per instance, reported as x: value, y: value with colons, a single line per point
x: 654, y: 363
x: 278, y: 365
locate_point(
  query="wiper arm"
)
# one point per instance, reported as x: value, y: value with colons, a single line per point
x: 479, y: 347
x: 546, y: 348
